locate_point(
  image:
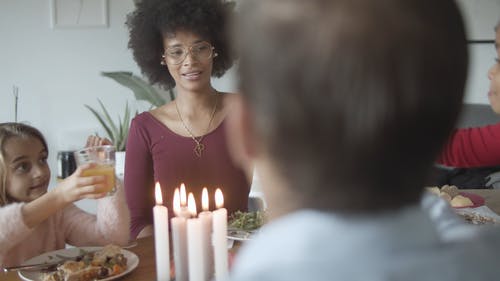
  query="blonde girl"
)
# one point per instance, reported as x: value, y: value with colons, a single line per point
x: 33, y: 219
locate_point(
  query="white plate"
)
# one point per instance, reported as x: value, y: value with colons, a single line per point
x: 132, y: 262
x: 240, y: 235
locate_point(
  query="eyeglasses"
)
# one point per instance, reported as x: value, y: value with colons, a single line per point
x: 201, y: 51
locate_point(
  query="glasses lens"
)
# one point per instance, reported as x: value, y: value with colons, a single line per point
x: 200, y: 51
x: 175, y: 55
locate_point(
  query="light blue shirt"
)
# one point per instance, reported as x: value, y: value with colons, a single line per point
x: 405, y: 245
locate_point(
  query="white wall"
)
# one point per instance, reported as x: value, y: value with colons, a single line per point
x: 481, y: 59
x: 480, y: 17
x: 58, y: 71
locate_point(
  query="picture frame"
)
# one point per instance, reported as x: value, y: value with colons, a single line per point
x: 79, y: 13
x: 480, y: 17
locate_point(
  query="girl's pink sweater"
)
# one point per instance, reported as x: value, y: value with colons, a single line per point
x: 70, y: 225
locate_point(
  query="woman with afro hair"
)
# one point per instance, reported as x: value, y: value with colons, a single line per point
x: 181, y: 44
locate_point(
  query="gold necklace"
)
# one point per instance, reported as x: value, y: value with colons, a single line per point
x: 199, y: 147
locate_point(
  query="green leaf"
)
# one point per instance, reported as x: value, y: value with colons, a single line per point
x: 109, y: 120
x: 142, y: 90
x: 116, y: 132
x: 101, y: 120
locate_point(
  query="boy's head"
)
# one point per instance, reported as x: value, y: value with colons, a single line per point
x: 351, y: 100
x: 24, y: 173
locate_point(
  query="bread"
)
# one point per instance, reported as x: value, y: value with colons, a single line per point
x: 451, y: 194
x: 451, y: 190
x: 460, y: 201
x: 445, y: 196
x: 434, y: 190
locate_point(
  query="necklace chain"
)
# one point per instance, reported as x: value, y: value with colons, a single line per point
x: 199, y: 147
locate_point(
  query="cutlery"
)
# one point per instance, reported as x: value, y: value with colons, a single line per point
x: 43, y: 267
x: 46, y: 266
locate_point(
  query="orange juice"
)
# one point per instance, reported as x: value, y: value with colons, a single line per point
x: 103, y: 170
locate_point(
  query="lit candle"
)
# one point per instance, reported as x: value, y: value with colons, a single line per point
x: 206, y: 229
x: 160, y: 215
x: 183, y: 195
x: 183, y: 212
x: 219, y: 237
x: 195, y: 249
x: 179, y: 239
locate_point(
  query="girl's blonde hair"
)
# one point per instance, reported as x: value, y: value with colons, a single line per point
x: 9, y: 130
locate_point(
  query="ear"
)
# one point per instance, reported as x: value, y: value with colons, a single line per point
x: 240, y: 131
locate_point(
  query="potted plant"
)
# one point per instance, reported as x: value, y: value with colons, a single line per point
x: 116, y: 132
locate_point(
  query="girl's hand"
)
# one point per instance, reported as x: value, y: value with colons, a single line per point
x: 77, y: 186
x: 94, y: 140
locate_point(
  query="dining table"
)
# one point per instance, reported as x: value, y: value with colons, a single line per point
x: 144, y: 248
x: 145, y: 271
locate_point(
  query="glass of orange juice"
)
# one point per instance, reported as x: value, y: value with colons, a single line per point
x: 104, y: 157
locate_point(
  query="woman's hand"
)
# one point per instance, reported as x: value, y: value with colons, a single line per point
x: 77, y: 186
x: 94, y: 140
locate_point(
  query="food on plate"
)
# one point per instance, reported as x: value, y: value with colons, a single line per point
x: 451, y: 194
x: 107, y: 262
x: 476, y: 218
x: 451, y: 190
x: 247, y: 220
x: 460, y: 201
x: 445, y: 196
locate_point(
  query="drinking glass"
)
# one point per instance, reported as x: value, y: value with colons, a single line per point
x: 104, y: 157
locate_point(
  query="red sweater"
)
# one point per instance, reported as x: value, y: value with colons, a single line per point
x: 472, y: 147
x: 155, y: 153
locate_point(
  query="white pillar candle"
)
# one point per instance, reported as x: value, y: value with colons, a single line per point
x: 179, y: 240
x: 219, y: 236
x: 206, y: 228
x: 160, y: 215
x: 195, y: 249
x: 183, y: 212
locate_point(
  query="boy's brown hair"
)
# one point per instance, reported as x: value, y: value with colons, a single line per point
x: 353, y: 99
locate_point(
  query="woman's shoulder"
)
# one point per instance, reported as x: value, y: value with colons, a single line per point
x: 142, y: 117
x: 156, y: 116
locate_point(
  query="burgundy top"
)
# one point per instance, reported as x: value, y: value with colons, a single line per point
x: 155, y: 153
x: 472, y: 147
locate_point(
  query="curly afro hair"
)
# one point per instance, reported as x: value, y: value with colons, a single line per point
x: 154, y: 19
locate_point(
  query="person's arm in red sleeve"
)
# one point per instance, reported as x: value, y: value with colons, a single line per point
x: 139, y: 180
x: 472, y: 147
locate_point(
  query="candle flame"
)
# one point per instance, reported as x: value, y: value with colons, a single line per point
x: 219, y: 198
x: 191, y: 205
x: 177, y: 202
x: 158, y: 197
x: 204, y: 199
x: 183, y: 195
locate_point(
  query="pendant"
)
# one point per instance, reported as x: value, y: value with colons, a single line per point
x: 198, y: 149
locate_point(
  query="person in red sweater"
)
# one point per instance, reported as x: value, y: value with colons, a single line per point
x: 479, y: 146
